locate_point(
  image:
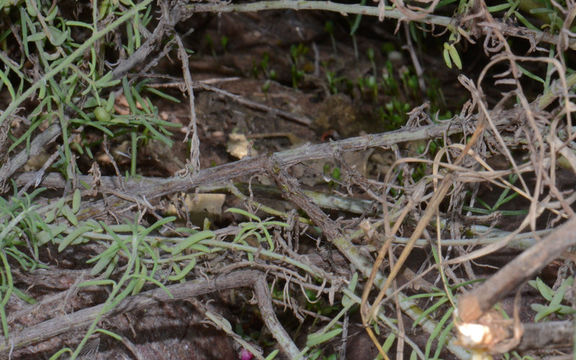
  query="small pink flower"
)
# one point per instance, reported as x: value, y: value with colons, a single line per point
x: 246, y: 355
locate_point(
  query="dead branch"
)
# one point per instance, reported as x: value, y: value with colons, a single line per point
x: 250, y: 166
x: 288, y: 158
x: 264, y: 299
x: 82, y: 318
x: 548, y: 335
x: 478, y: 301
x: 514, y: 31
x: 36, y: 146
x: 301, y: 119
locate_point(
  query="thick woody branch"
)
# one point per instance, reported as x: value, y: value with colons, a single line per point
x: 82, y: 318
x: 475, y: 303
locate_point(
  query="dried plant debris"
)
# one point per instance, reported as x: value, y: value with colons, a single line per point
x: 275, y: 180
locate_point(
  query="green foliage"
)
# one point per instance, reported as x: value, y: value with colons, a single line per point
x: 19, y: 224
x: 332, y: 329
x: 297, y: 56
x: 393, y: 114
x: 134, y: 250
x: 329, y: 28
x: 451, y: 56
x: 514, y: 355
x: 555, y: 298
x: 331, y: 174
x: 334, y: 82
x: 318, y: 355
x: 256, y: 229
x: 441, y: 304
x: 71, y: 91
x: 264, y: 68
x: 219, y: 47
x: 534, y: 14
x: 504, y: 197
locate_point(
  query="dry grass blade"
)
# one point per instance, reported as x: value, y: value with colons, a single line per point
x: 431, y: 209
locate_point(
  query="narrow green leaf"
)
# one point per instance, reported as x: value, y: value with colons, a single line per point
x: 543, y: 311
x: 268, y: 238
x: 103, y: 9
x: 31, y: 8
x: 437, y: 330
x: 106, y: 273
x: 389, y: 342
x: 157, y: 225
x: 79, y: 24
x: 560, y: 292
x: 8, y: 84
x: 111, y: 334
x: 50, y: 216
x: 45, y: 236
x: 25, y: 297
x: 24, y: 19
x: 52, y: 15
x: 272, y: 355
x: 162, y: 95
x: 544, y: 289
x: 455, y: 56
x: 191, y: 240
x: 57, y: 37
x: 566, y: 310
x: 36, y: 37
x: 181, y: 274
x: 346, y: 301
x: 103, y: 282
x: 426, y: 295
x: 140, y: 280
x: 524, y: 21
x: 500, y: 7
x: 139, y: 100
x: 429, y: 310
x: 76, y: 201
x: 245, y: 213
x: 201, y: 248
x: 69, y: 215
x: 446, y: 55
x: 123, y: 228
x: 105, y: 260
x: 530, y: 74
x: 275, y: 223
x: 61, y: 352
x: 316, y: 339
x: 106, y: 81
x: 444, y: 335
x: 128, y: 96
x: 376, y: 328
x: 73, y: 236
